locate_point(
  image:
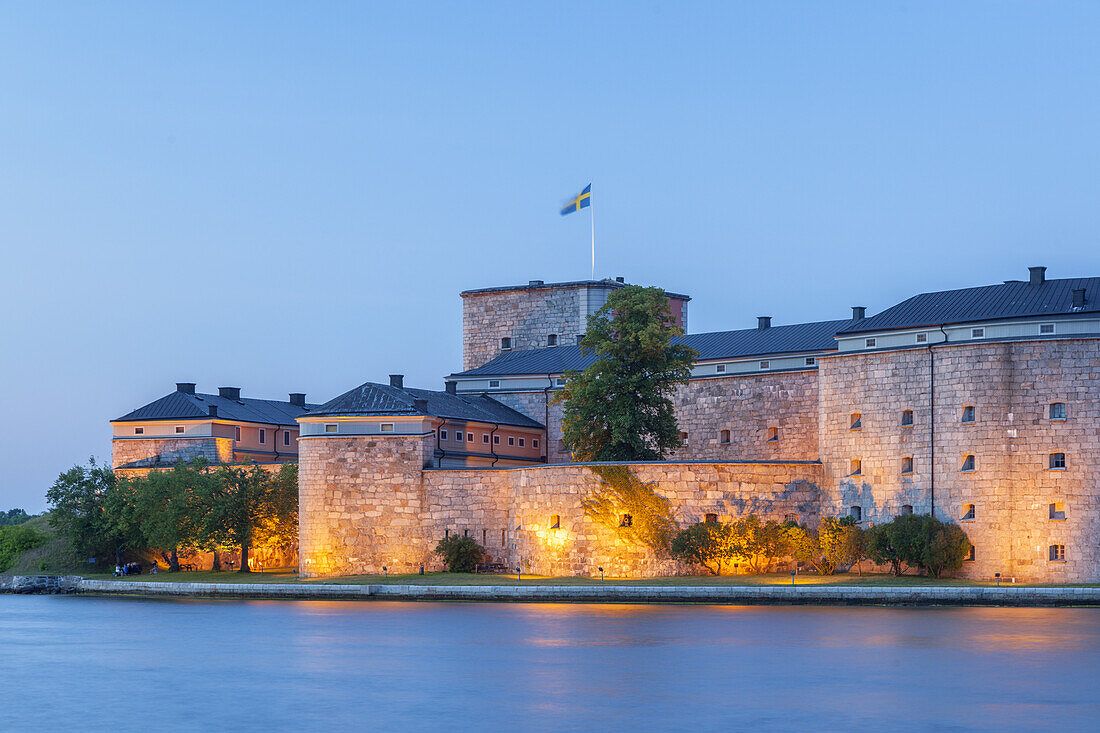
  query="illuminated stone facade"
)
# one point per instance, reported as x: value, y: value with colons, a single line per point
x: 136, y: 453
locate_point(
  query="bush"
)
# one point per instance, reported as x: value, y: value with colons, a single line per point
x: 14, y: 541
x: 918, y: 541
x: 705, y: 543
x: 460, y: 554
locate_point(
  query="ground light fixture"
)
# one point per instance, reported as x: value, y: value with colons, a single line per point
x: 998, y: 577
x: 386, y: 571
x: 601, y: 573
x: 519, y: 573
x: 792, y: 577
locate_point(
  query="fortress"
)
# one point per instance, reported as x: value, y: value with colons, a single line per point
x: 981, y: 406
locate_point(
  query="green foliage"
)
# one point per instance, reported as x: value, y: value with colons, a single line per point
x: 747, y: 540
x: 78, y: 508
x: 918, y: 541
x: 241, y: 507
x: 12, y: 517
x: 14, y: 541
x: 841, y: 542
x: 705, y: 543
x: 758, y: 544
x: 620, y: 407
x: 460, y: 554
x: 621, y: 492
x: 947, y: 550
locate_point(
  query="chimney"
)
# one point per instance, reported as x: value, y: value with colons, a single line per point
x: 230, y: 393
x: 212, y: 410
x: 1078, y: 298
x: 298, y: 399
x: 185, y: 387
x: 452, y: 387
x: 420, y: 405
x: 534, y: 283
x: 620, y: 280
x: 763, y: 322
x: 397, y: 380
x: 859, y: 312
x: 1038, y: 275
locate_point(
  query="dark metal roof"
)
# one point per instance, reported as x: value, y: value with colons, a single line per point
x: 775, y: 340
x: 182, y: 405
x: 1013, y: 299
x: 539, y: 285
x: 382, y: 399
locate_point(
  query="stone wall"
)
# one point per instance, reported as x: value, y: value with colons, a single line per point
x: 1011, y: 386
x: 151, y: 452
x: 526, y: 316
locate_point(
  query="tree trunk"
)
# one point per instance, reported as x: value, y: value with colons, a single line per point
x: 174, y: 561
x: 118, y: 555
x: 244, y: 556
x: 216, y: 563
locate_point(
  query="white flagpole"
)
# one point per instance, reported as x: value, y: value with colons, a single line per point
x: 592, y: 218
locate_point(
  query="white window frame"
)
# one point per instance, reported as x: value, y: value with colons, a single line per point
x: 765, y: 365
x: 332, y: 427
x: 286, y: 438
x: 922, y: 338
x: 1052, y: 329
x: 442, y: 433
x: 494, y: 383
x: 977, y: 333
x: 237, y: 433
x: 522, y: 443
x: 386, y: 427
x: 505, y: 343
x: 263, y: 436
x: 811, y: 361
x: 870, y: 343
x: 139, y: 431
x: 511, y: 440
x: 180, y: 430
x: 720, y: 368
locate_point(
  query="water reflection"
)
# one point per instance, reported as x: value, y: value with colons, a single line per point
x: 172, y: 665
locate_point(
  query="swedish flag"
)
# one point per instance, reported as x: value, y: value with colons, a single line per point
x: 583, y: 200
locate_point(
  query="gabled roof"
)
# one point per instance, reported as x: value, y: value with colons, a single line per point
x: 186, y: 406
x: 1012, y: 299
x: 540, y: 285
x: 372, y: 398
x: 773, y: 341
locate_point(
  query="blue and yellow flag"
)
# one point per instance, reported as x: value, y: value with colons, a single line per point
x: 583, y: 200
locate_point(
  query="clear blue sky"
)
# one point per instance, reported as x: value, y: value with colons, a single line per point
x: 290, y: 198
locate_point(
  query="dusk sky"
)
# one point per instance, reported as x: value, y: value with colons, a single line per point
x: 290, y: 199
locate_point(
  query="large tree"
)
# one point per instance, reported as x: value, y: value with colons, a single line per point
x: 620, y: 407
x: 89, y: 507
x: 246, y: 506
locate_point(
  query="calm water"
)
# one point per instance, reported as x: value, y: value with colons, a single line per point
x: 80, y: 663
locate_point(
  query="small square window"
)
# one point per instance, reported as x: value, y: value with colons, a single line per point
x: 559, y: 382
x: 720, y: 368
x: 1057, y: 410
x: 458, y: 436
x: 968, y: 464
x: 1046, y: 328
x: 906, y: 508
x: 970, y: 556
x: 765, y: 365
x: 511, y: 440
x: 907, y: 464
x: 977, y: 333
x: 552, y: 340
x: 683, y: 438
x: 141, y: 431
x: 907, y: 418
x: 968, y: 513
x: 442, y: 434
x: 555, y: 521
x: 855, y: 467
x: 968, y: 414
x: 855, y: 421
x: 773, y: 435
x: 263, y: 436
x: 1058, y: 510
x: 534, y: 442
x: 810, y: 361
x: 494, y: 383
x: 496, y: 440
x: 521, y: 442
x: 625, y: 520
x: 711, y: 519
x: 484, y: 437
x: 1057, y: 461
x: 724, y: 437
x: 856, y: 512
x: 1057, y: 553
x: 179, y: 430
x: 331, y: 428
x: 286, y: 437
x: 505, y: 343
x: 871, y: 343
x: 922, y: 338
x: 790, y: 518
x: 386, y: 427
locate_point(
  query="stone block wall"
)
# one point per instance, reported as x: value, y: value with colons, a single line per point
x: 151, y: 452
x: 526, y: 316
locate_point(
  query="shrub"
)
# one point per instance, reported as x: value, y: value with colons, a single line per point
x: 919, y: 541
x: 706, y: 543
x: 947, y: 550
x: 14, y: 541
x: 460, y: 554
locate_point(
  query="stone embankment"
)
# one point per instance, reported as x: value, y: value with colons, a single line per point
x: 834, y: 595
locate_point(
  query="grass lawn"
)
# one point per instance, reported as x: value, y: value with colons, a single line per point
x: 288, y: 576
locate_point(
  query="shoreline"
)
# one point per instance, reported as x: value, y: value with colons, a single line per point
x: 817, y: 595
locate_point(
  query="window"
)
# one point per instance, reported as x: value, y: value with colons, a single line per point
x: 485, y: 438
x: 970, y: 557
x: 237, y: 432
x: 496, y: 440
x: 442, y: 434
x: 494, y: 383
x: 907, y: 418
x: 505, y: 343
x: 1058, y: 510
x: 465, y: 533
x: 968, y: 464
x: 810, y: 361
x: 711, y: 519
x: 329, y: 428
x: 625, y: 520
x: 503, y: 537
x: 1046, y: 328
x: 484, y: 538
x: 907, y: 464
x: 871, y: 343
x: 559, y: 382
x: 179, y: 430
x: 1057, y: 461
x: 724, y: 437
x: 521, y: 442
x: 458, y: 436
x: 968, y: 513
x: 386, y: 427
x: 1057, y: 553
x: 534, y: 442
x: 968, y: 414
x: 790, y: 518
x: 855, y: 421
x: 1057, y: 410
x: 856, y: 467
x: 263, y: 436
x: 286, y: 437
x: 141, y: 431
x: 552, y: 340
x: 555, y: 521
x: 906, y: 508
x: 580, y: 338
x: 765, y: 365
x: 683, y: 438
x: 720, y: 368
x: 469, y: 437
x: 856, y: 512
x: 773, y: 435
x: 922, y: 338
x: 977, y: 333
x: 511, y: 440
